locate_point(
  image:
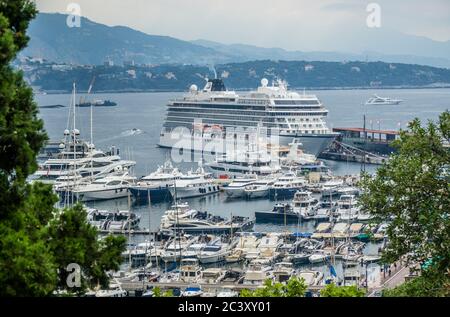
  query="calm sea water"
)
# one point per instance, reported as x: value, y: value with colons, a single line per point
x: 145, y: 111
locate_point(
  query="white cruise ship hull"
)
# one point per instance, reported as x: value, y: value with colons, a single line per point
x: 311, y: 143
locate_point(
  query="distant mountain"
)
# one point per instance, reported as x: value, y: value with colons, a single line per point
x: 242, y: 52
x: 94, y: 43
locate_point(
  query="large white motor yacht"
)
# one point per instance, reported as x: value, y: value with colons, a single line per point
x: 381, y: 101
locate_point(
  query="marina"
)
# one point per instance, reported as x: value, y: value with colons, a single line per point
x: 204, y: 231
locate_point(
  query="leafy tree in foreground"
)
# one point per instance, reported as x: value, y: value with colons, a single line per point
x: 331, y: 290
x: 411, y: 192
x: 419, y: 287
x: 294, y: 287
x: 36, y: 240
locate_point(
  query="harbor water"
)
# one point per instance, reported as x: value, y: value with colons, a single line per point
x: 134, y: 127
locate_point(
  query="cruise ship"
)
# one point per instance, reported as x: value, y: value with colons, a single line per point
x: 215, y: 120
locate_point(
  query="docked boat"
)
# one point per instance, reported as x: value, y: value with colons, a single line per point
x: 82, y: 159
x: 324, y: 211
x: 114, y: 290
x: 212, y: 276
x: 227, y: 292
x: 381, y: 101
x: 109, y: 187
x: 193, y: 184
x: 236, y: 255
x: 318, y: 257
x: 347, y: 209
x: 257, y: 274
x: 194, y: 221
x: 240, y: 164
x: 215, y: 120
x: 192, y: 291
x: 113, y: 221
x: 283, y: 271
x: 236, y: 189
x: 214, y: 252
x: 311, y: 278
x: 300, y: 258
x: 155, y: 186
x: 330, y: 189
x: 259, y: 189
x: 248, y: 243
x: 190, y: 270
x: 305, y: 205
x: 174, y: 248
x: 286, y: 186
x: 281, y: 213
x: 352, y: 278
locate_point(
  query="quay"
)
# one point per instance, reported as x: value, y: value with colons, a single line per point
x: 361, y: 145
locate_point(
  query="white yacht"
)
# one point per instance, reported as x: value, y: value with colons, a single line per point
x: 190, y: 270
x: 236, y: 189
x: 286, y: 186
x: 80, y: 158
x: 232, y: 165
x: 155, y: 186
x: 193, y: 221
x: 305, y: 204
x: 283, y: 271
x: 259, y: 188
x: 312, y: 278
x: 330, y: 188
x: 381, y: 101
x: 347, y: 209
x: 113, y: 221
x: 248, y: 243
x: 174, y: 248
x: 193, y: 184
x: 268, y: 248
x: 214, y: 252
x: 257, y: 274
x: 109, y: 187
x: 213, y: 120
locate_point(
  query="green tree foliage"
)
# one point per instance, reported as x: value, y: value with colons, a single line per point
x: 73, y: 240
x: 411, y: 193
x: 36, y: 240
x: 331, y: 290
x: 421, y: 286
x: 294, y: 287
x: 157, y: 292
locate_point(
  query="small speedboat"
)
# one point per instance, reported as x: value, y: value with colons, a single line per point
x: 318, y: 258
x: 193, y: 291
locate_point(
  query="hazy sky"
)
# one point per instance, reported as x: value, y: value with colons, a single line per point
x: 290, y: 24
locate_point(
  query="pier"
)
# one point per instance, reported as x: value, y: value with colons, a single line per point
x: 361, y: 145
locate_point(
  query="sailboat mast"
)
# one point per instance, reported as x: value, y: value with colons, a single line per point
x: 129, y: 229
x: 74, y: 141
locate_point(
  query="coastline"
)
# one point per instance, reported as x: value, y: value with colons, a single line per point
x: 126, y: 91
